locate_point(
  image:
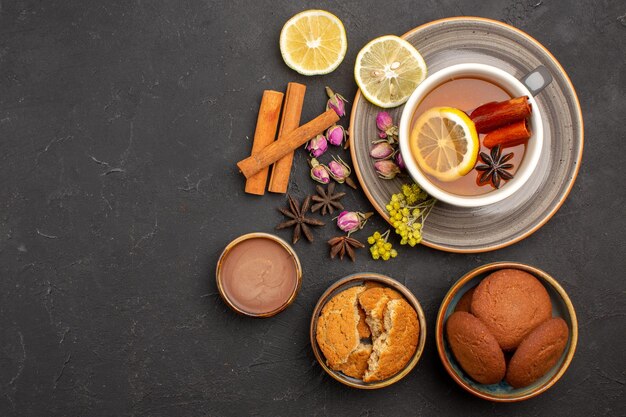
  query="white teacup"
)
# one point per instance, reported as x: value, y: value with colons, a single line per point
x: 530, y: 84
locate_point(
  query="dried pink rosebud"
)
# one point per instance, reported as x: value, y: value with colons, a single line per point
x: 383, y: 121
x: 386, y: 169
x: 400, y: 161
x: 336, y: 102
x: 386, y: 128
x: 319, y: 172
x: 317, y: 146
x: 348, y: 221
x: 339, y: 169
x: 335, y: 135
x: 381, y: 150
x: 351, y: 221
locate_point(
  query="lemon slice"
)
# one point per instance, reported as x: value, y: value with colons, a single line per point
x: 313, y: 42
x: 444, y: 143
x: 387, y: 70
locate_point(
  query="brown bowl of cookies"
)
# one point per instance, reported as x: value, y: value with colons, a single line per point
x: 506, y: 331
x: 368, y: 331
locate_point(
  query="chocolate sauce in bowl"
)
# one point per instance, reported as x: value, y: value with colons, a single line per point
x: 258, y: 275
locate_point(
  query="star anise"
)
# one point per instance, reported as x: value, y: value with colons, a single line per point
x: 327, y: 199
x: 298, y: 220
x: 495, y: 167
x: 341, y: 245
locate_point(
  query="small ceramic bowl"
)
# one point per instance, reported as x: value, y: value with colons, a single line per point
x: 359, y: 279
x: 258, y: 235
x: 515, y: 88
x: 503, y: 392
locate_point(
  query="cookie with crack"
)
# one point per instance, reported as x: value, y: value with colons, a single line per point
x: 363, y: 327
x: 395, y: 346
x: 356, y: 365
x: 337, y: 331
x: 374, y: 302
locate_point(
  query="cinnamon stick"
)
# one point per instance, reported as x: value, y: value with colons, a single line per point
x: 495, y: 114
x: 288, y: 143
x: 264, y: 134
x: 294, y: 98
x: 510, y: 135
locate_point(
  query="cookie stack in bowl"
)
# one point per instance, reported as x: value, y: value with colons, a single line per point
x: 503, y: 329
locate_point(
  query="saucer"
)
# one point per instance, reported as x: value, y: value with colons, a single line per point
x: 459, y: 40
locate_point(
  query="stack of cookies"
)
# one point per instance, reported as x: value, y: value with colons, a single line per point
x: 369, y: 332
x: 503, y: 329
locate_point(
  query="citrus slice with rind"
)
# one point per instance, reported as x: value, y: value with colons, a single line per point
x: 444, y: 143
x: 388, y: 70
x: 313, y: 42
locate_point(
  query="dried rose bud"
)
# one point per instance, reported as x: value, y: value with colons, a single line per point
x: 386, y: 169
x: 335, y: 135
x: 386, y: 128
x: 351, y: 221
x: 383, y: 121
x: 348, y: 221
x: 319, y: 172
x: 400, y: 161
x: 381, y: 150
x: 336, y: 102
x: 339, y: 169
x: 317, y: 146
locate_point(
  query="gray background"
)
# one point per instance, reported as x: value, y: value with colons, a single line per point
x: 120, y: 126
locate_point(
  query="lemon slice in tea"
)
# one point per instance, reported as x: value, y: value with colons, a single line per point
x: 444, y: 143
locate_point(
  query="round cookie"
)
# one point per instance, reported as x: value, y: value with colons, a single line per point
x: 538, y: 352
x: 475, y: 348
x: 511, y: 303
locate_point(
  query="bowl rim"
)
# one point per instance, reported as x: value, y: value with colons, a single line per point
x: 388, y: 281
x: 490, y: 267
x: 531, y: 156
x: 256, y: 235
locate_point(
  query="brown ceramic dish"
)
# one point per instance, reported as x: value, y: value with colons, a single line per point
x: 447, y: 42
x: 502, y: 392
x: 359, y: 279
x: 277, y: 305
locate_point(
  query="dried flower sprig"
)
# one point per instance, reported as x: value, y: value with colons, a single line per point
x: 380, y: 248
x: 408, y: 210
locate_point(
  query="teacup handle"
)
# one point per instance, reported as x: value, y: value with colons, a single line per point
x: 537, y: 80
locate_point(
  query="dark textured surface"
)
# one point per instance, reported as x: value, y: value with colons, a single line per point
x: 120, y: 124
